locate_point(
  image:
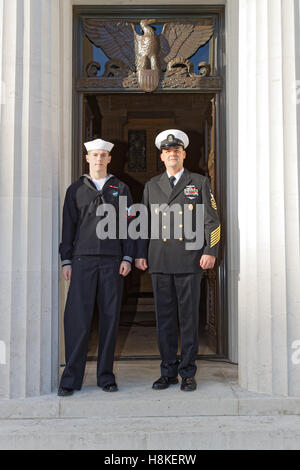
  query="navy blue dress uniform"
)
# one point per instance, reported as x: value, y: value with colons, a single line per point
x: 175, y: 270
x: 95, y: 277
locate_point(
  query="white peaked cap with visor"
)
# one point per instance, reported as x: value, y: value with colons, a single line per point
x: 98, y: 144
x: 172, y: 138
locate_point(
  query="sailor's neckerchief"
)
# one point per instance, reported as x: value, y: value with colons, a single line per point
x: 99, y: 198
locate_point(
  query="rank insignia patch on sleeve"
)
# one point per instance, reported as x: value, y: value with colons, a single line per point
x: 213, y: 201
x: 215, y: 237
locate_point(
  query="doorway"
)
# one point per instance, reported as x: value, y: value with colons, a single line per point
x: 132, y: 122
x: 108, y: 102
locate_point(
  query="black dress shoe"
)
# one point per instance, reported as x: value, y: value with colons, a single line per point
x: 110, y: 388
x: 65, y: 392
x: 164, y: 382
x: 188, y: 384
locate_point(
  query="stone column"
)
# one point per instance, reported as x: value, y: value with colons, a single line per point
x: 29, y: 189
x: 232, y: 235
x: 269, y: 188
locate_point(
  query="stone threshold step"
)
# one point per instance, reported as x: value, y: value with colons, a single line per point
x: 140, y: 301
x: 99, y: 404
x: 139, y: 308
x: 260, y: 433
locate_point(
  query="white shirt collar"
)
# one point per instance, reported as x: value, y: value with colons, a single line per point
x: 177, y: 176
x: 102, y: 179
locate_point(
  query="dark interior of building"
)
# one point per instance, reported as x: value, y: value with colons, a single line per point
x: 132, y: 122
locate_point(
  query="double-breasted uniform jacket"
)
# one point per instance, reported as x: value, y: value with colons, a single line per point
x: 169, y: 255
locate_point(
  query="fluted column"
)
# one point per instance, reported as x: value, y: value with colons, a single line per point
x: 29, y: 189
x: 269, y: 188
x: 232, y: 235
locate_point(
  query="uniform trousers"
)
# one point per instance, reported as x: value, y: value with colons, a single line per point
x: 94, y: 279
x: 177, y: 298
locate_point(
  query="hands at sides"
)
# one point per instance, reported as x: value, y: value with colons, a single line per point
x: 125, y: 268
x: 141, y: 263
x: 207, y: 261
x: 67, y: 272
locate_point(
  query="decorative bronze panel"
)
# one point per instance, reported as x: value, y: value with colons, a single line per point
x: 160, y: 166
x: 150, y: 60
x: 137, y: 150
x: 179, y: 81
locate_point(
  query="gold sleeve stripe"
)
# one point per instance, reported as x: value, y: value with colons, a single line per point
x: 215, y: 240
x: 215, y: 236
x: 213, y: 203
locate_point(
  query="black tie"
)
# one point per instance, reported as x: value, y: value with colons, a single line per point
x: 172, y: 180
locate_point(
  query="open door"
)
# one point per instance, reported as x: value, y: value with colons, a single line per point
x: 135, y: 159
x: 109, y: 102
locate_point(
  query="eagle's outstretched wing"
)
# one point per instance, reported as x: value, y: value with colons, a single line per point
x: 116, y: 39
x: 183, y: 39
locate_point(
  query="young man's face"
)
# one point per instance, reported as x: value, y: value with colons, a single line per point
x: 98, y: 160
x: 173, y: 158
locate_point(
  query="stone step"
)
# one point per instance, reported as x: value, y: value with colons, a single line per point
x: 140, y: 301
x: 205, y: 433
x: 217, y: 394
x: 218, y: 415
x: 139, y: 304
x: 128, y: 403
x: 139, y: 308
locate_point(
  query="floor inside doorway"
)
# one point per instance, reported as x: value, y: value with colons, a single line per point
x: 137, y: 334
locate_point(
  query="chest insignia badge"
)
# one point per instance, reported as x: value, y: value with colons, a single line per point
x: 191, y: 192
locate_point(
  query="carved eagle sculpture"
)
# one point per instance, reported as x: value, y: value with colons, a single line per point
x: 148, y: 53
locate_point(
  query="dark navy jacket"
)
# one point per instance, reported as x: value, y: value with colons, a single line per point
x: 169, y: 255
x: 79, y: 236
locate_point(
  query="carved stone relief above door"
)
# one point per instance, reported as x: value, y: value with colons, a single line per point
x: 149, y: 55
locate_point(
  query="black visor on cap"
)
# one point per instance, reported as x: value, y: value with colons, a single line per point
x: 171, y: 142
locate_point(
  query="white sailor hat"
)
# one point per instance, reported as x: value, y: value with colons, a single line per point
x: 171, y: 138
x: 98, y: 144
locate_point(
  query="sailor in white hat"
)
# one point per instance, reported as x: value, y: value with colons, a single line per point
x: 99, y: 144
x: 96, y: 268
x: 98, y: 156
x: 175, y: 270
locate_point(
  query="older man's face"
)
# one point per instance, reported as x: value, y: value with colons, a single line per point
x: 173, y: 158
